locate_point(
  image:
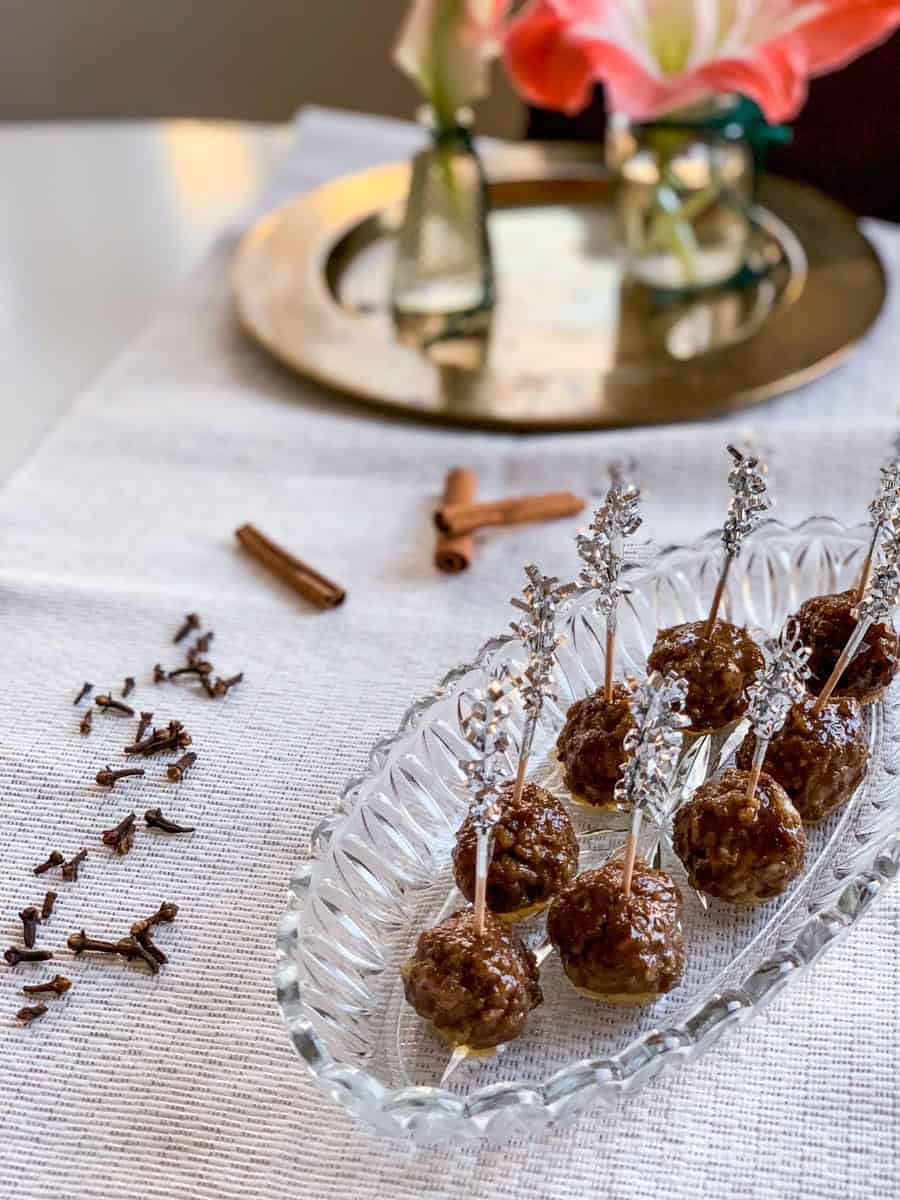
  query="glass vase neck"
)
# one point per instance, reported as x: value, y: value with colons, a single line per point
x: 446, y: 131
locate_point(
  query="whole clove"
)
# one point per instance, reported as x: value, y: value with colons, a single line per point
x: 87, y: 722
x: 195, y: 668
x: 79, y: 943
x: 70, y: 869
x: 166, y: 912
x: 156, y: 820
x: 162, y: 740
x: 159, y: 675
x: 31, y: 1013
x: 86, y: 689
x: 132, y: 947
x: 223, y: 686
x: 191, y: 621
x: 121, y: 837
x: 151, y: 947
x: 109, y: 778
x: 57, y: 985
x: 30, y: 918
x: 128, y: 686
x: 111, y: 704
x: 176, y: 771
x: 143, y: 725
x: 202, y: 644
x: 55, y: 860
x: 47, y: 906
x: 14, y: 955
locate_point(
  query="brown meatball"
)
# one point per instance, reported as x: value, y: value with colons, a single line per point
x: 718, y: 669
x: 819, y: 761
x: 476, y: 991
x: 590, y: 745
x: 733, y: 853
x: 825, y: 624
x: 619, y: 947
x: 534, y: 852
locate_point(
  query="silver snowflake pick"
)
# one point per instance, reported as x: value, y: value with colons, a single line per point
x: 885, y: 506
x: 748, y: 500
x: 484, y: 727
x: 601, y: 545
x: 654, y: 748
x: 779, y: 685
x: 882, y: 594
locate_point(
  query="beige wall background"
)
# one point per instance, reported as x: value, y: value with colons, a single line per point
x: 250, y: 59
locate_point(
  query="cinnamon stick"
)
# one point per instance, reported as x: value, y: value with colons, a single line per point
x: 291, y: 570
x: 459, y: 519
x: 453, y: 554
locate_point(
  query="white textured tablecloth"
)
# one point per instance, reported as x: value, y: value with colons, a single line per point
x: 185, y: 1085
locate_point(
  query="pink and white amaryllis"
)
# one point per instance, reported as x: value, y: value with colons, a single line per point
x: 446, y: 48
x: 655, y: 56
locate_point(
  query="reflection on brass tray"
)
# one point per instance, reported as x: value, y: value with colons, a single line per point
x: 573, y: 343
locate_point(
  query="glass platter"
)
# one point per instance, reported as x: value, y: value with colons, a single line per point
x: 573, y: 343
x: 379, y: 872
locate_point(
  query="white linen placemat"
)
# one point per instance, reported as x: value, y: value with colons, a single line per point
x: 184, y: 1086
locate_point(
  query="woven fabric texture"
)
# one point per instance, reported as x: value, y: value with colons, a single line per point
x: 183, y: 1086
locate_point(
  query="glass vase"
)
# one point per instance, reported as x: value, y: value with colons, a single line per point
x: 443, y: 282
x: 686, y: 183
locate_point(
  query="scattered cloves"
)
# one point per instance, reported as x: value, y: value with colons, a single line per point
x: 223, y: 686
x: 109, y: 703
x: 151, y: 947
x: 57, y: 985
x: 162, y: 740
x: 109, y: 778
x: 121, y: 836
x: 132, y: 947
x: 30, y: 918
x: 70, y: 869
x: 86, y: 722
x: 195, y: 668
x: 191, y: 621
x: 176, y: 771
x: 31, y: 1013
x: 55, y: 860
x: 155, y: 820
x: 143, y: 725
x: 159, y: 675
x: 128, y: 686
x: 14, y: 955
x: 166, y: 912
x: 202, y: 644
x: 47, y: 906
x: 86, y: 689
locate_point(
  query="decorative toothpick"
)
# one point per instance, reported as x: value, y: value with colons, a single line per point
x: 601, y: 547
x: 541, y: 598
x: 653, y: 746
x: 884, y: 512
x: 778, y: 687
x: 484, y: 728
x: 881, y: 597
x: 748, y: 502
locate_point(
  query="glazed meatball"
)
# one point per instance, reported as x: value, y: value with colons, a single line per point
x: 534, y: 852
x: 476, y: 991
x: 719, y: 669
x: 590, y: 745
x: 825, y: 625
x: 733, y: 853
x: 819, y: 761
x: 617, y: 947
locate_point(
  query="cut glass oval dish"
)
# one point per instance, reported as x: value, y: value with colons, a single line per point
x: 379, y: 872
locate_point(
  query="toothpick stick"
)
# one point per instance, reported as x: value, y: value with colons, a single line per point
x: 653, y: 746
x: 846, y: 657
x: 482, y: 861
x: 601, y: 548
x: 748, y: 502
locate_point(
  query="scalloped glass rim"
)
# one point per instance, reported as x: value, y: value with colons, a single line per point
x: 433, y: 1114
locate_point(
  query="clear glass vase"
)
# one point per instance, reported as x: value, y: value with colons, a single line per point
x: 686, y: 183
x: 443, y: 283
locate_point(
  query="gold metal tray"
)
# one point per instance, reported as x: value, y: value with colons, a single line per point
x: 573, y: 345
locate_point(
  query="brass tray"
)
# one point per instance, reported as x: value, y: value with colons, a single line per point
x: 572, y: 345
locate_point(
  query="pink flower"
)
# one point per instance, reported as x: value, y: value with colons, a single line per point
x: 654, y: 56
x: 446, y: 47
